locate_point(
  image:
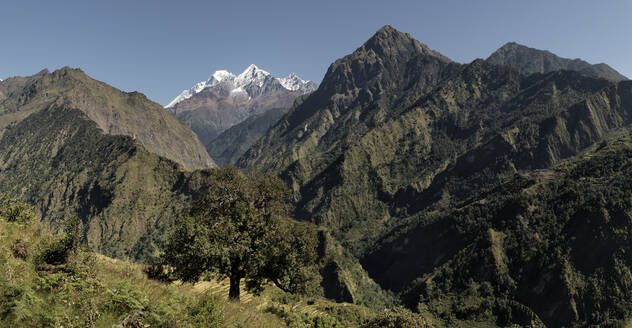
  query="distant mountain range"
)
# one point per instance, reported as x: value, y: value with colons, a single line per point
x: 225, y: 99
x: 252, y: 82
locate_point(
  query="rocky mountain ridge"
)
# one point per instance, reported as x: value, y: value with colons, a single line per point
x: 76, y: 147
x: 252, y: 82
x: 530, y: 60
x: 397, y: 132
x: 115, y: 112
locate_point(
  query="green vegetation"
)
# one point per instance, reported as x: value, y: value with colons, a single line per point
x: 547, y: 247
x: 12, y: 210
x: 473, y: 193
x: 48, y: 280
x: 397, y: 133
x: 239, y: 229
x: 113, y: 111
x: 83, y: 289
x: 59, y: 161
x: 73, y: 146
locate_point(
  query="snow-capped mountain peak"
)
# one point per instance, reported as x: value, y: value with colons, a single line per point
x: 292, y: 82
x: 249, y: 83
x: 253, y: 75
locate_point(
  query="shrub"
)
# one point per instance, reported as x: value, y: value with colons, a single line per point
x: 304, y: 320
x: 20, y: 249
x: 58, y: 250
x: 20, y: 306
x: 12, y: 210
x: 205, y: 312
x: 124, y: 298
x: 398, y: 318
x: 159, y: 272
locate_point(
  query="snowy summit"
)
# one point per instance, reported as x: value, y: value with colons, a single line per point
x: 250, y: 83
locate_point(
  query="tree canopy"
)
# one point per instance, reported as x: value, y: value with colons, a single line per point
x: 240, y: 229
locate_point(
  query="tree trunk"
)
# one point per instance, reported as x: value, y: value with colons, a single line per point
x: 233, y: 292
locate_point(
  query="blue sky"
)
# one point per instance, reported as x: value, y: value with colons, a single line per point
x: 162, y: 47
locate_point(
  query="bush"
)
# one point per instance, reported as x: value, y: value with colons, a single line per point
x: 205, y: 313
x: 58, y: 250
x: 398, y: 318
x: 304, y: 320
x: 124, y: 298
x: 20, y: 306
x: 12, y: 210
x: 20, y: 249
x: 158, y: 272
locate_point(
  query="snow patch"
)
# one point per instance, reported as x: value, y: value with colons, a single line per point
x: 239, y: 92
x: 186, y: 94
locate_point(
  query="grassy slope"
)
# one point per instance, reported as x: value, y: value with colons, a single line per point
x: 95, y: 291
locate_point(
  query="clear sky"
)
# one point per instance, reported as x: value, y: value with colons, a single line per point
x: 161, y: 47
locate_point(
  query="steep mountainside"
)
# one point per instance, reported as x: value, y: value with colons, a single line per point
x: 232, y: 143
x: 114, y: 112
x: 60, y: 161
x: 55, y: 156
x: 398, y: 131
x: 396, y: 128
x: 548, y: 245
x: 213, y: 106
x: 529, y: 60
x: 358, y: 92
x: 74, y: 146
